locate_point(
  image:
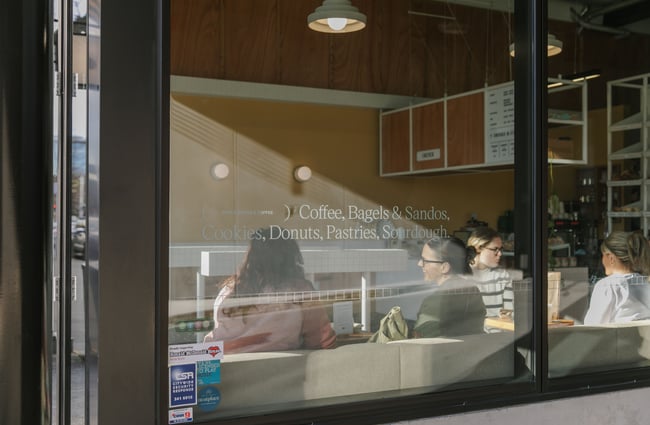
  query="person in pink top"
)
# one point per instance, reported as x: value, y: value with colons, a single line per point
x: 266, y: 305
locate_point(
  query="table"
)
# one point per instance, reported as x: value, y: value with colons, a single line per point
x: 356, y: 338
x: 506, y: 324
x: 509, y: 325
x: 367, y: 262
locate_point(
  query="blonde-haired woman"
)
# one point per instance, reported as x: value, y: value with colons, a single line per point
x: 620, y: 297
x: 493, y: 281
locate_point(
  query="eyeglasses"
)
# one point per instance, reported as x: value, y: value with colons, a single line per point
x: 495, y: 250
x: 424, y: 260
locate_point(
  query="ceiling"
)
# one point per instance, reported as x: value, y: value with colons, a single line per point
x: 618, y: 17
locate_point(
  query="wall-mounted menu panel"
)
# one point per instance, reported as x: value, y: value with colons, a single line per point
x: 429, y: 136
x: 500, y: 124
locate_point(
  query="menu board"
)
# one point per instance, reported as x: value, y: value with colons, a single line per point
x: 500, y: 124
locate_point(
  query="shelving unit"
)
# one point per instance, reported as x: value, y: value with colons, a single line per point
x: 591, y: 186
x: 628, y: 154
x: 567, y: 129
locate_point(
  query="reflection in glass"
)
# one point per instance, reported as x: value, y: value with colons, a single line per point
x: 69, y: 170
x: 595, y: 306
x: 389, y: 158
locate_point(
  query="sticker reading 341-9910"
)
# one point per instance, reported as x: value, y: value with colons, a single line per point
x: 182, y: 385
x: 186, y: 353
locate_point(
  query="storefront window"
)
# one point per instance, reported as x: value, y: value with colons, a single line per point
x: 597, y: 280
x: 341, y: 208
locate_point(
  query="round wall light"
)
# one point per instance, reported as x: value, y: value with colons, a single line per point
x: 302, y: 173
x: 219, y: 171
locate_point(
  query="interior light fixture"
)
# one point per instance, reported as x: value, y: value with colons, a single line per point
x: 553, y: 46
x: 219, y: 171
x: 578, y: 77
x: 582, y: 76
x: 302, y: 173
x: 336, y: 16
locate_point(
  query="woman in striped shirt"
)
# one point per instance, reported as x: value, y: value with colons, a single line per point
x: 493, y: 281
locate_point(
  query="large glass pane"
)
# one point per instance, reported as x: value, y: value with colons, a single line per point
x: 597, y: 286
x: 341, y: 206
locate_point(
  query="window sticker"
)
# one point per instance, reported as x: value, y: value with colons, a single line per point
x: 209, y: 398
x: 325, y: 223
x: 179, y: 416
x: 208, y: 372
x: 186, y: 353
x: 182, y: 385
x: 194, y: 325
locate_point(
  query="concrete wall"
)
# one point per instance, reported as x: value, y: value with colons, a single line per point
x: 629, y: 407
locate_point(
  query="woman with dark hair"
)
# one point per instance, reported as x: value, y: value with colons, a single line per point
x: 623, y: 295
x: 265, y: 306
x: 456, y: 306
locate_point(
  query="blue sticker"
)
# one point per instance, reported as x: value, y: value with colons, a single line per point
x: 209, y: 399
x: 209, y: 372
x: 182, y: 384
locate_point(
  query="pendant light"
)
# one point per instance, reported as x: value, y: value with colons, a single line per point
x: 336, y: 16
x: 554, y: 46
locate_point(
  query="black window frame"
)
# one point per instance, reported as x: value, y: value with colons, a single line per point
x: 530, y: 191
x: 530, y: 70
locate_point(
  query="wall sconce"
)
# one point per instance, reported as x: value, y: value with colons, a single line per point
x: 302, y: 174
x: 219, y: 171
x: 554, y: 46
x: 336, y: 16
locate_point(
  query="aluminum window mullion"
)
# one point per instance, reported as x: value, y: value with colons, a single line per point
x: 531, y: 160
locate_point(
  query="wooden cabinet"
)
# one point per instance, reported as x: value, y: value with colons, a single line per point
x: 441, y: 135
x: 395, y: 140
x: 428, y: 136
x: 475, y: 130
x: 466, y: 130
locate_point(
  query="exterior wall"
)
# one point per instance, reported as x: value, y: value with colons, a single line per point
x: 24, y: 89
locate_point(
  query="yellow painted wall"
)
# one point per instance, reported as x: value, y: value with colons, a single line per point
x: 340, y: 144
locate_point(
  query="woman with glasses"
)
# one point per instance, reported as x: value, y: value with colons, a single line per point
x: 493, y: 281
x: 455, y: 307
x: 623, y: 295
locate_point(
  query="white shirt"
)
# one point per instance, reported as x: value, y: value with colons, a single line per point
x: 619, y: 298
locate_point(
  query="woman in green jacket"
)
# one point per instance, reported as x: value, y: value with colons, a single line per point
x: 456, y: 306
